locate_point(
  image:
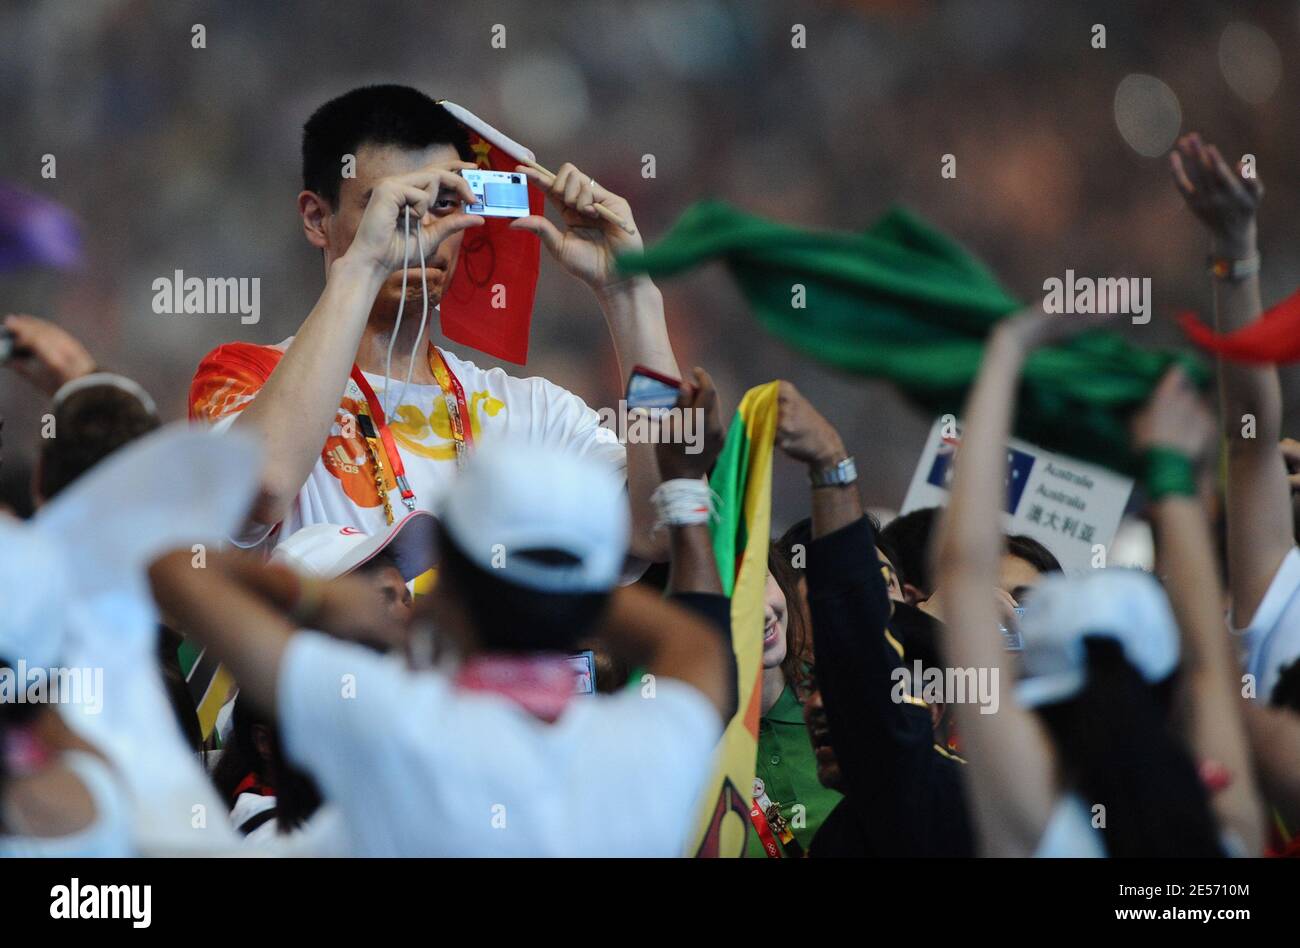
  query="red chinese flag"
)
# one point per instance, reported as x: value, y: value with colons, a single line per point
x: 489, y: 304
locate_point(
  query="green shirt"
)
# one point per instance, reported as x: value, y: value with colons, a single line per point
x: 787, y: 765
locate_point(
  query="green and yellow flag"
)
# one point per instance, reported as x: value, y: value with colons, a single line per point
x: 742, y: 479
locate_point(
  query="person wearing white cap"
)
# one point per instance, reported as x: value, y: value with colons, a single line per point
x: 490, y: 752
x: 390, y: 559
x: 1087, y: 758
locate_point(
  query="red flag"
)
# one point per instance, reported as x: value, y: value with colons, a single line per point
x: 1273, y: 338
x: 489, y: 304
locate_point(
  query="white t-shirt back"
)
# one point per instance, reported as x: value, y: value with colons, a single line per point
x: 418, y: 767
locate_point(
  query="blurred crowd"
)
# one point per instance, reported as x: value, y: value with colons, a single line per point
x: 176, y: 157
x: 332, y: 585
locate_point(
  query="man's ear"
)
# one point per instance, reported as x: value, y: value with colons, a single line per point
x: 315, y: 212
x: 913, y: 595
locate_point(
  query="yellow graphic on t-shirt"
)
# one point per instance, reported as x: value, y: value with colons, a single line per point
x: 413, y: 429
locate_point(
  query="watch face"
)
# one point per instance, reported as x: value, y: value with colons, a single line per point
x: 842, y: 473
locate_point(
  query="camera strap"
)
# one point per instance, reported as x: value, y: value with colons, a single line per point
x: 381, y: 444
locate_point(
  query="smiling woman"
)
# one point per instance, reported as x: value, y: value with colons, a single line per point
x: 787, y: 763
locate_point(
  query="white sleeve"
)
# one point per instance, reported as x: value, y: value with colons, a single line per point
x: 1273, y: 636
x: 571, y: 424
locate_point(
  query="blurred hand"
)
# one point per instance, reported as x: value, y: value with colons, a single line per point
x: 588, y: 244
x: 802, y: 433
x: 1222, y: 198
x: 675, y: 461
x: 434, y: 195
x: 354, y: 609
x: 50, y: 356
x: 1033, y: 326
x: 1175, y: 417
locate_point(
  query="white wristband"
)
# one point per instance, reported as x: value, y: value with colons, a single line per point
x: 682, y: 502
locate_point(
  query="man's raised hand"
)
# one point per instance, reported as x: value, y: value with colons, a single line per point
x: 434, y: 195
x: 51, y: 356
x: 589, y: 242
x: 674, y: 454
x: 803, y: 433
x: 1223, y: 198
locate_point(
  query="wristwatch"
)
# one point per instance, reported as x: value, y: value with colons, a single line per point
x: 1233, y: 271
x: 845, y: 472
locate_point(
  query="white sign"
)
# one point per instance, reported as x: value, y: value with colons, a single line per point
x: 1069, y: 506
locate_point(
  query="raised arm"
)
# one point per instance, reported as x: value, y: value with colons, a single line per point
x: 694, y: 568
x: 1012, y: 773
x: 246, y: 612
x: 634, y: 310
x: 882, y: 735
x: 295, y: 408
x: 1250, y: 400
x: 1177, y: 426
x: 807, y: 437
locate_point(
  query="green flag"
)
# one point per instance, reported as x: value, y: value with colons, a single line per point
x: 905, y: 303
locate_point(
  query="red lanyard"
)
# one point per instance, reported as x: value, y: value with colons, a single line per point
x: 386, y: 436
x: 457, y: 411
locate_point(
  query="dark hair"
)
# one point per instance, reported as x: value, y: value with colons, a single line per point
x: 372, y: 115
x: 908, y: 538
x: 800, y: 534
x: 508, y: 617
x: 90, y: 424
x: 296, y: 794
x: 1286, y: 693
x: 380, y: 561
x: 1115, y: 742
x: 798, y: 627
x: 1032, y: 552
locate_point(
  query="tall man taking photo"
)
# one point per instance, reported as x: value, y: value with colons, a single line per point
x: 347, y: 440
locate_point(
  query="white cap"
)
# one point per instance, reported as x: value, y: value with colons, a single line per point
x: 513, y: 497
x: 1125, y: 605
x: 327, y: 550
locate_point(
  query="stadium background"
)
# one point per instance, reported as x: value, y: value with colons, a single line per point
x: 183, y: 158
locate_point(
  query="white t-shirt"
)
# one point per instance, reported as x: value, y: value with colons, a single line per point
x: 341, y: 486
x: 1272, y: 639
x: 418, y: 767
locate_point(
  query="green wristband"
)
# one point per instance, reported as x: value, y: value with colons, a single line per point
x: 1168, y: 473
